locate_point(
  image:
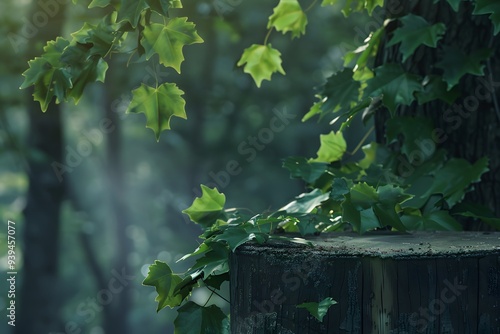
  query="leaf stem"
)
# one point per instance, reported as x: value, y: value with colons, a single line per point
x: 362, y: 141
x: 310, y: 6
x: 208, y: 299
x: 267, y: 36
x: 213, y: 292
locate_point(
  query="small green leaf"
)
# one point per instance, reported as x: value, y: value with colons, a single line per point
x: 261, y: 61
x: 288, y: 16
x: 235, y: 237
x: 477, y: 211
x: 340, y: 188
x: 161, y: 277
x: 491, y: 7
x: 455, y: 64
x: 366, y: 51
x: 415, y: 32
x: 395, y: 85
x: 418, y: 145
x: 159, y: 6
x: 308, y: 171
x: 159, y: 105
x: 215, y: 261
x: 206, y: 209
x: 435, y: 88
x: 318, y: 310
x: 332, y: 148
x: 391, y: 195
x: 455, y: 178
x: 131, y: 10
x: 444, y: 221
x: 340, y: 92
x: 215, y: 281
x: 305, y: 203
x: 363, y: 196
x: 92, y: 71
x: 168, y: 40
x: 387, y: 216
x: 195, y: 319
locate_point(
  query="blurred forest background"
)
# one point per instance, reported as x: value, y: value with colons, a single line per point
x: 122, y: 197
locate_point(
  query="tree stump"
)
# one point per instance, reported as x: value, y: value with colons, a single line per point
x: 425, y: 282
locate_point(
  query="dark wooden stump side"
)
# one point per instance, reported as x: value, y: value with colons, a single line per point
x: 384, y: 283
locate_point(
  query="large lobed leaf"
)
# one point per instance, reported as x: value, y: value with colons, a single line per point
x: 455, y: 64
x: 206, y: 209
x: 491, y: 7
x: 288, y: 16
x: 159, y: 105
x: 261, y: 61
x: 395, y: 85
x: 318, y: 310
x: 195, y: 319
x: 332, y: 148
x: 161, y: 277
x: 415, y: 32
x: 168, y: 40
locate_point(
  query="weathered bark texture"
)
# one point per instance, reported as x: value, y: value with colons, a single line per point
x: 383, y: 283
x: 38, y: 303
x: 470, y: 128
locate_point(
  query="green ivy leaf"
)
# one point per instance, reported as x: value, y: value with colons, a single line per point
x: 92, y: 70
x: 50, y: 76
x: 435, y: 88
x: 366, y: 51
x: 162, y: 6
x: 363, y: 196
x: 159, y: 105
x: 261, y: 61
x: 131, y: 10
x: 318, y: 310
x: 340, y: 92
x: 340, y: 188
x: 305, y: 203
x: 489, y: 7
x: 215, y: 281
x: 417, y: 133
x: 300, y: 168
x: 433, y: 221
x: 454, y: 179
x: 235, y: 237
x: 288, y: 16
x: 391, y: 195
x: 332, y: 148
x: 98, y: 39
x: 477, y: 211
x: 168, y: 40
x: 361, y: 220
x: 455, y: 64
x: 415, y: 32
x: 206, y: 209
x: 195, y: 319
x: 161, y: 277
x: 215, y: 261
x: 395, y: 85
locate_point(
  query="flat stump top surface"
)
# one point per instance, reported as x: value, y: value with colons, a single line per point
x: 392, y: 245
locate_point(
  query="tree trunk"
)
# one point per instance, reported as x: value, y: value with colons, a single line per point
x: 471, y: 126
x: 39, y: 300
x: 116, y: 315
x: 444, y: 282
